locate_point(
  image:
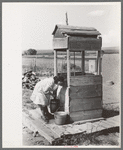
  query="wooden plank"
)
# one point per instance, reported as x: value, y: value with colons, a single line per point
x: 106, y: 125
x: 113, y: 123
x: 99, y: 63
x: 96, y: 126
x: 92, y: 121
x: 35, y: 114
x: 37, y: 125
x: 83, y: 115
x: 55, y: 63
x: 81, y: 43
x: 55, y: 130
x: 90, y: 105
x: 74, y: 129
x: 77, y: 92
x: 60, y: 43
x: 114, y: 120
x: 85, y: 80
x: 82, y: 33
x: 86, y: 100
x: 68, y: 68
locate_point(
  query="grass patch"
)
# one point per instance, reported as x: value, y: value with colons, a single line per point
x: 104, y: 137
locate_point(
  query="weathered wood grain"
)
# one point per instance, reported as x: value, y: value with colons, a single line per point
x: 37, y: 125
x: 85, y: 80
x: 83, y: 115
x: 83, y: 62
x: 99, y: 63
x: 105, y: 125
x: 68, y: 68
x: 84, y: 91
x: 85, y: 104
x: 80, y: 43
x: 82, y: 33
x: 60, y: 43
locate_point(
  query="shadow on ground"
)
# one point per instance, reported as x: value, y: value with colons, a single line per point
x: 109, y: 113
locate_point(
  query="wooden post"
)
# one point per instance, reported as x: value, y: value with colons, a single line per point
x: 68, y: 68
x: 55, y: 63
x: 97, y: 60
x: 67, y: 101
x: 83, y: 62
x: 74, y: 63
x: 99, y: 63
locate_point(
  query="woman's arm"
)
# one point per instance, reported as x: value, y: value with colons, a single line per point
x: 48, y: 87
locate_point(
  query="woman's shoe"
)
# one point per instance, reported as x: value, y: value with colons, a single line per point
x: 47, y: 114
x: 50, y: 116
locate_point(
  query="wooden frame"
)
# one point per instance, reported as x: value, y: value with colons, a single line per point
x: 68, y: 68
x: 84, y: 88
x: 83, y: 62
x: 98, y: 63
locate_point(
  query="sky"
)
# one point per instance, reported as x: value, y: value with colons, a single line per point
x: 30, y: 25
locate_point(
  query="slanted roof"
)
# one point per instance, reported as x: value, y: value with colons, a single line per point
x: 74, y: 30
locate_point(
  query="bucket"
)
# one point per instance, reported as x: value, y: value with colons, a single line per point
x: 54, y: 105
x: 60, y: 117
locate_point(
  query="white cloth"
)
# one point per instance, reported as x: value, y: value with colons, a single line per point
x: 41, y: 91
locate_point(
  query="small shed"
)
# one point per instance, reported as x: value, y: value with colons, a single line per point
x: 81, y: 96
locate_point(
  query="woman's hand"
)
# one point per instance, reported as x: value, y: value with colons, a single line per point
x: 52, y: 94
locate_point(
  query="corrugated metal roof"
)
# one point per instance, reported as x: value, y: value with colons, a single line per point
x: 74, y: 30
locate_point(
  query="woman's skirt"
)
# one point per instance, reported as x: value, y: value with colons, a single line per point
x: 40, y: 98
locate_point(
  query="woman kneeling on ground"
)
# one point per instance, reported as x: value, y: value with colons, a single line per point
x: 41, y: 94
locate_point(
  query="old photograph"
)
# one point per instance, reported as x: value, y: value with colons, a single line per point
x: 70, y: 72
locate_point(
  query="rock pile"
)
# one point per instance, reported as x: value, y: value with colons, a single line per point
x: 29, y: 80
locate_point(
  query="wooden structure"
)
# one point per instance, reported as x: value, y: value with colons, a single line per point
x: 82, y: 96
x: 51, y: 131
